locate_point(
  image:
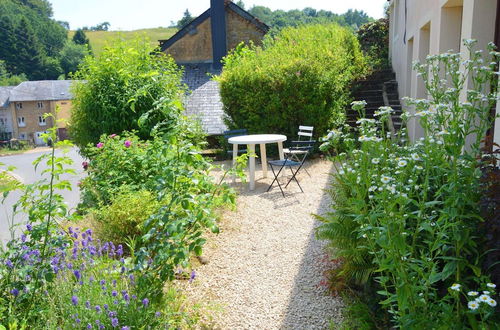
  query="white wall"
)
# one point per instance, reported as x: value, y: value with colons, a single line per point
x: 433, y: 27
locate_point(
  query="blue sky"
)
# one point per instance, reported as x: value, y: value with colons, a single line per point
x: 134, y: 14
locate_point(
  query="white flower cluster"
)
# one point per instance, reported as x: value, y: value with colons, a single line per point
x: 484, y: 298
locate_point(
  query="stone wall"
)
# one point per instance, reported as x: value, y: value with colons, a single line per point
x: 195, y: 46
x: 30, y: 112
x: 239, y: 29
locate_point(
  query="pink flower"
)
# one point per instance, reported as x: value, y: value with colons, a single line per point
x: 112, y: 135
x: 100, y: 145
x: 127, y: 143
x: 85, y: 165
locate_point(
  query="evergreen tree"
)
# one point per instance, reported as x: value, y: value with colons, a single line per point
x: 185, y: 20
x: 28, y: 51
x: 80, y: 38
x: 7, y: 43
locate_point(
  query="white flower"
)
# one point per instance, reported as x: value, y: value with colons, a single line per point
x: 491, y: 285
x: 473, y: 305
x: 484, y: 298
x: 375, y: 160
x: 402, y: 163
x: 385, y: 179
x: 358, y: 180
x: 417, y: 187
x: 415, y: 156
x: 455, y: 287
x: 341, y: 172
x: 418, y: 167
x: 410, y: 181
x: 472, y: 293
x: 372, y: 188
x: 364, y: 235
x: 492, y: 302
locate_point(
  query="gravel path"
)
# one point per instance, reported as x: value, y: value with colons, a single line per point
x: 265, y: 267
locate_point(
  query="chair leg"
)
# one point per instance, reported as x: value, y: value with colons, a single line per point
x: 294, y: 177
x: 297, y: 159
x: 276, y: 179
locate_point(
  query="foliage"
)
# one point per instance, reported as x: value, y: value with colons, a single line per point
x: 123, y: 219
x: 80, y: 38
x: 299, y: 78
x: 30, y: 40
x: 8, y: 79
x: 407, y: 215
x: 71, y: 56
x: 374, y: 40
x: 279, y: 19
x: 185, y: 20
x: 118, y: 87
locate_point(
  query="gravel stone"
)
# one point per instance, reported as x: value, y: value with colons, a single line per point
x: 265, y: 267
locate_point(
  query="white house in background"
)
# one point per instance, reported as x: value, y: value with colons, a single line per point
x: 422, y: 27
x: 6, y: 128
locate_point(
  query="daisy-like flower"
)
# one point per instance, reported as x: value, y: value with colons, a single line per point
x: 472, y: 293
x: 402, y: 163
x: 492, y: 302
x: 418, y: 167
x: 376, y: 160
x: 484, y: 298
x: 455, y: 287
x: 372, y: 188
x: 491, y: 285
x: 385, y: 179
x: 473, y: 305
x: 415, y: 156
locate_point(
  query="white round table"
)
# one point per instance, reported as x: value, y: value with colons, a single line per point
x: 251, y: 141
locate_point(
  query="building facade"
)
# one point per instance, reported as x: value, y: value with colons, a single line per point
x: 6, y: 128
x: 27, y: 105
x: 427, y: 27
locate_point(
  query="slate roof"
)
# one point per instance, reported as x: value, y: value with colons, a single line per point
x: 4, y: 95
x: 203, y: 101
x: 164, y: 44
x: 43, y: 90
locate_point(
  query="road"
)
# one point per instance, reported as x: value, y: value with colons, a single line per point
x: 26, y: 171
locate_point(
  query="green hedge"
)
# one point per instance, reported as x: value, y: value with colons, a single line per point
x: 301, y: 77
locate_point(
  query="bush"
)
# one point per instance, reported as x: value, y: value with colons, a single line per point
x: 123, y: 219
x: 299, y: 78
x: 117, y: 88
x: 374, y: 40
x: 407, y: 215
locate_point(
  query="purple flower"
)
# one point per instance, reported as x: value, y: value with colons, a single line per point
x: 77, y: 321
x: 102, y: 282
x: 125, y: 328
x: 23, y: 238
x: 158, y: 314
x: 193, y: 275
x: 127, y: 143
x: 85, y: 165
x: 114, y: 283
x: 114, y: 293
x: 145, y: 302
x: 74, y: 300
x: 114, y: 322
x: 29, y: 227
x: 91, y: 278
x: 115, y: 302
x: 98, y: 308
x: 106, y: 307
x: 9, y: 263
x: 126, y: 297
x: 15, y: 292
x: 77, y: 274
x: 87, y: 304
x: 99, y: 145
x: 89, y: 326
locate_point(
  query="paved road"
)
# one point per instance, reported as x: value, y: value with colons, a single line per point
x: 25, y: 170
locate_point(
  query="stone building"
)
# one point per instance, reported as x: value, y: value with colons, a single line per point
x: 5, y: 114
x: 30, y: 100
x: 427, y: 27
x: 200, y: 46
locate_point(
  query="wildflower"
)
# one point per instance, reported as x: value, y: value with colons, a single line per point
x: 145, y: 302
x: 372, y: 188
x: 114, y: 293
x: 114, y: 322
x: 89, y: 326
x: 472, y: 293
x: 127, y: 143
x: 99, y: 145
x: 14, y: 292
x: 473, y: 305
x: 491, y: 285
x: 112, y: 135
x: 375, y: 160
x: 193, y: 275
x: 158, y: 314
x: 85, y: 165
x: 125, y: 328
x: 385, y: 179
x: 402, y: 163
x: 492, y: 302
x: 415, y: 156
x: 74, y: 300
x: 98, y: 308
x: 484, y: 298
x: 87, y: 304
x: 9, y: 263
x: 455, y: 287
x: 77, y: 274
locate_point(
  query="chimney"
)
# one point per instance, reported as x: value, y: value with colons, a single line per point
x: 218, y: 24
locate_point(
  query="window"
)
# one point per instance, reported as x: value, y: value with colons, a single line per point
x: 22, y: 136
x: 41, y: 121
x: 39, y: 105
x: 2, y: 122
x: 19, y: 105
x: 20, y: 122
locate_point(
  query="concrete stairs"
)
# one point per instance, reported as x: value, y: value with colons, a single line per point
x: 379, y: 89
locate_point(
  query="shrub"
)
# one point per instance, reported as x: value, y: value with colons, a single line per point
x: 407, y: 215
x: 299, y: 78
x: 123, y: 219
x: 115, y: 89
x: 374, y: 40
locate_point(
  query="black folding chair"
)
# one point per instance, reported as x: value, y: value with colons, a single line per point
x: 305, y: 147
x: 305, y: 134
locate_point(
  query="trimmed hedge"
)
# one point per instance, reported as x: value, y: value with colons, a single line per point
x: 301, y: 77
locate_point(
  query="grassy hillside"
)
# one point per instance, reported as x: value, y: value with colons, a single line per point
x: 99, y: 39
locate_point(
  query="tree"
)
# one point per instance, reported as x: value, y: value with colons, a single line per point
x: 28, y: 51
x: 71, y: 56
x: 185, y: 20
x: 126, y: 82
x: 80, y: 38
x: 7, y: 79
x: 101, y: 27
x: 240, y: 4
x: 64, y: 24
x: 8, y: 42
